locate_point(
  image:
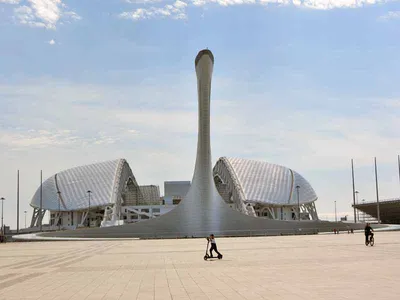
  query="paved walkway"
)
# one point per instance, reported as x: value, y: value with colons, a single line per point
x: 291, y: 267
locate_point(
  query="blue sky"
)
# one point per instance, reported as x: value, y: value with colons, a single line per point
x: 306, y: 84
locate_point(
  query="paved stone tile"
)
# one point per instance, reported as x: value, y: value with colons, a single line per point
x: 325, y: 267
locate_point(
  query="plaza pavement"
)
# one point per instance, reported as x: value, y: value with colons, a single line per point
x: 289, y: 267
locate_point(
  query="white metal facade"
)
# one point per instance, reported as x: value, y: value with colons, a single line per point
x: 105, y: 180
x: 254, y: 181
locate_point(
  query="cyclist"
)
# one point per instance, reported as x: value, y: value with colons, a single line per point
x: 368, y: 232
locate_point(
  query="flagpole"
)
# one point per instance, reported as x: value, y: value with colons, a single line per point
x: 354, y: 191
x: 41, y: 201
x: 17, y: 201
x: 377, y: 192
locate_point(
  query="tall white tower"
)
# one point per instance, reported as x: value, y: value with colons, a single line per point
x: 202, y: 206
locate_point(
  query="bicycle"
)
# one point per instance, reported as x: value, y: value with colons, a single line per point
x: 370, y: 241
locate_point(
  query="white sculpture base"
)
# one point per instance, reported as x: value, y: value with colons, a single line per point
x: 111, y: 223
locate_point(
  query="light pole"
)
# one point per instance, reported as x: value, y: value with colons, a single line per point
x: 59, y: 210
x: 335, y: 212
x: 2, y: 213
x: 377, y: 191
x: 25, y: 217
x: 88, y: 216
x: 364, y: 211
x: 298, y: 201
x: 398, y: 164
x: 354, y: 190
x: 358, y: 212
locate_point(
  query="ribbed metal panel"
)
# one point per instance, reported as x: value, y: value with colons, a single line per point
x: 306, y: 192
x: 151, y: 194
x: 50, y: 196
x: 267, y: 183
x: 105, y: 180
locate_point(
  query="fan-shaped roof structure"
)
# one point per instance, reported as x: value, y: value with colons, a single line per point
x: 105, y: 180
x: 254, y: 181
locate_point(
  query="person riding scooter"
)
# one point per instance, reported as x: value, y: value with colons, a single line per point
x: 211, y: 239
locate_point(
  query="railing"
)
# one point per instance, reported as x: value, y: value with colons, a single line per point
x: 380, y: 201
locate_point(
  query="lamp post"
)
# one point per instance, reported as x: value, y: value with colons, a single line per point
x: 377, y: 191
x: 41, y: 201
x: 335, y: 212
x: 358, y: 212
x: 2, y: 213
x: 88, y: 216
x: 364, y: 211
x: 25, y: 217
x: 298, y: 201
x: 398, y: 163
x: 59, y: 210
x: 354, y: 190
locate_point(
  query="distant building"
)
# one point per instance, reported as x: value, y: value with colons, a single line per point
x: 389, y: 211
x: 100, y: 194
x: 174, y: 191
x: 255, y: 188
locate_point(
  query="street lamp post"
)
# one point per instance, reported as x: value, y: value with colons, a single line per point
x: 2, y: 213
x: 298, y: 201
x: 358, y: 211
x: 88, y: 215
x: 25, y: 217
x: 364, y: 211
x: 59, y: 210
x: 377, y: 192
x: 335, y: 212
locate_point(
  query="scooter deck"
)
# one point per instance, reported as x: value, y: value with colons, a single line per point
x: 213, y: 257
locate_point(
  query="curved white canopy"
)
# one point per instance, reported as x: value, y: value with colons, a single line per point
x: 262, y: 182
x: 105, y: 180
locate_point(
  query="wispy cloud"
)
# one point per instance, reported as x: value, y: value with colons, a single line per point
x: 142, y: 1
x: 33, y: 138
x: 390, y: 16
x: 42, y: 13
x: 51, y: 42
x: 10, y: 1
x: 176, y: 11
x: 321, y: 139
x: 314, y: 4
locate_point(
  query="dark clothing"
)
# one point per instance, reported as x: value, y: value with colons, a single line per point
x: 367, y: 235
x: 214, y: 248
x: 367, y: 230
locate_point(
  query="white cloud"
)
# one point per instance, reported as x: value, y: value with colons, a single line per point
x: 37, y: 138
x: 43, y: 13
x: 315, y: 4
x: 331, y: 4
x: 390, y: 16
x: 72, y: 15
x: 176, y: 11
x: 143, y: 1
x: 51, y: 42
x: 223, y: 2
x: 10, y: 1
